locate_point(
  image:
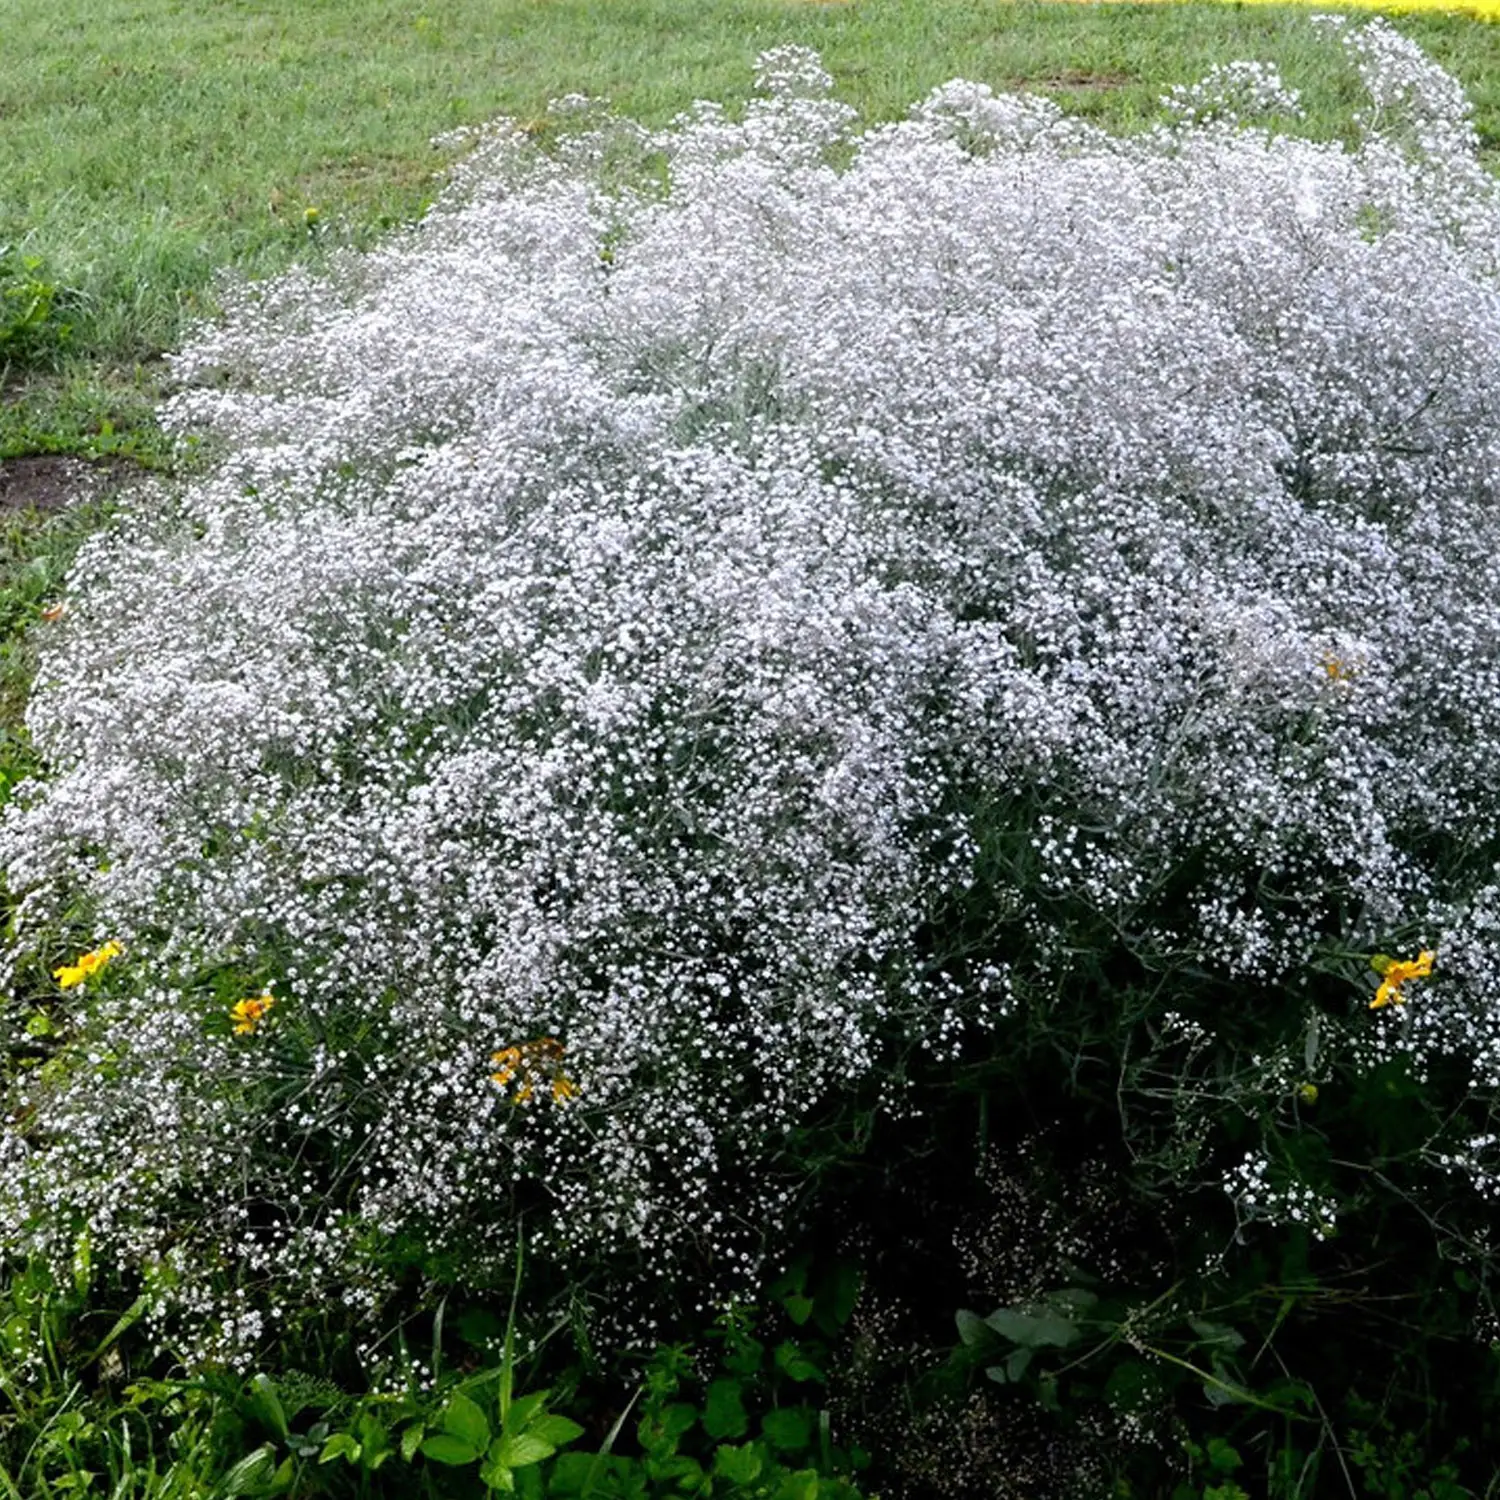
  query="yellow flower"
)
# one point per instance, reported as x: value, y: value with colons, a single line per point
x: 529, y: 1064
x: 86, y: 965
x: 248, y: 1014
x: 1396, y: 973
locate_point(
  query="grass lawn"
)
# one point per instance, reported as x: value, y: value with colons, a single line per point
x: 148, y: 143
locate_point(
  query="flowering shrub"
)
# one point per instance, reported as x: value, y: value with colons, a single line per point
x: 710, y: 616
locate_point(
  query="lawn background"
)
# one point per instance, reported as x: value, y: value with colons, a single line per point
x: 146, y: 144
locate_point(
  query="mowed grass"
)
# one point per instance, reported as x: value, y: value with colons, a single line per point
x: 145, y: 145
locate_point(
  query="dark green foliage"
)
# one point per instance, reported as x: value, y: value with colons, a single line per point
x: 35, y: 312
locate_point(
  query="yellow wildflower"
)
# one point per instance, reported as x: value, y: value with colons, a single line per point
x: 529, y: 1064
x: 248, y: 1014
x: 1396, y: 973
x: 86, y: 965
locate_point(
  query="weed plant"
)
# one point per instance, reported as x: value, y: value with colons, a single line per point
x: 758, y: 674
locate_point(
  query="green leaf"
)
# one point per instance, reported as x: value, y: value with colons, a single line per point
x: 411, y: 1440
x: 495, y: 1476
x: 340, y: 1445
x: 1038, y: 1328
x: 374, y: 1440
x: 840, y: 1293
x: 264, y: 1405
x: 793, y: 1362
x: 803, y: 1485
x: 1222, y: 1457
x: 1073, y: 1301
x: 677, y: 1419
x: 255, y: 1471
x: 522, y: 1410
x: 444, y: 1448
x: 724, y: 1411
x: 798, y: 1308
x: 520, y: 1449
x: 463, y: 1419
x: 127, y: 1320
x: 1133, y: 1386
x: 559, y: 1431
x: 680, y: 1469
x: 973, y: 1330
x: 739, y: 1465
x: 743, y: 1356
x: 1217, y: 1335
x: 789, y: 1428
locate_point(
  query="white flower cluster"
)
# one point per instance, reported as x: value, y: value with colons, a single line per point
x: 717, y: 602
x: 1261, y: 1192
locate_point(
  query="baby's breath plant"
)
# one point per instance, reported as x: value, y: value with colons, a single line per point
x: 711, y: 617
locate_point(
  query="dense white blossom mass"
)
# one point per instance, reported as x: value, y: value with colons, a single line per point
x: 643, y: 613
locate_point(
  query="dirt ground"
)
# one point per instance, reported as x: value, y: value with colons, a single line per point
x: 49, y: 482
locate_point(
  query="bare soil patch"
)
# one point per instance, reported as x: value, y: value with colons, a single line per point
x: 49, y: 482
x: 1075, y: 81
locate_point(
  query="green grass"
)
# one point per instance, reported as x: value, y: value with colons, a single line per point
x: 149, y: 143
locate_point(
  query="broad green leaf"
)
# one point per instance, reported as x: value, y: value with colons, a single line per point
x: 444, y: 1448
x: 374, y: 1439
x: 1017, y: 1362
x: 556, y: 1430
x: 340, y: 1445
x: 1039, y: 1328
x: 972, y: 1329
x: 798, y: 1308
x: 499, y: 1477
x: 677, y: 1419
x: 411, y: 1440
x: 841, y: 1292
x: 1073, y: 1301
x: 255, y: 1471
x: 463, y: 1419
x: 739, y: 1465
x: 520, y: 1449
x: 265, y: 1406
x: 789, y: 1428
x: 794, y: 1362
x: 580, y: 1474
x: 724, y: 1411
x: 803, y: 1485
x: 522, y: 1410
x: 680, y: 1469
